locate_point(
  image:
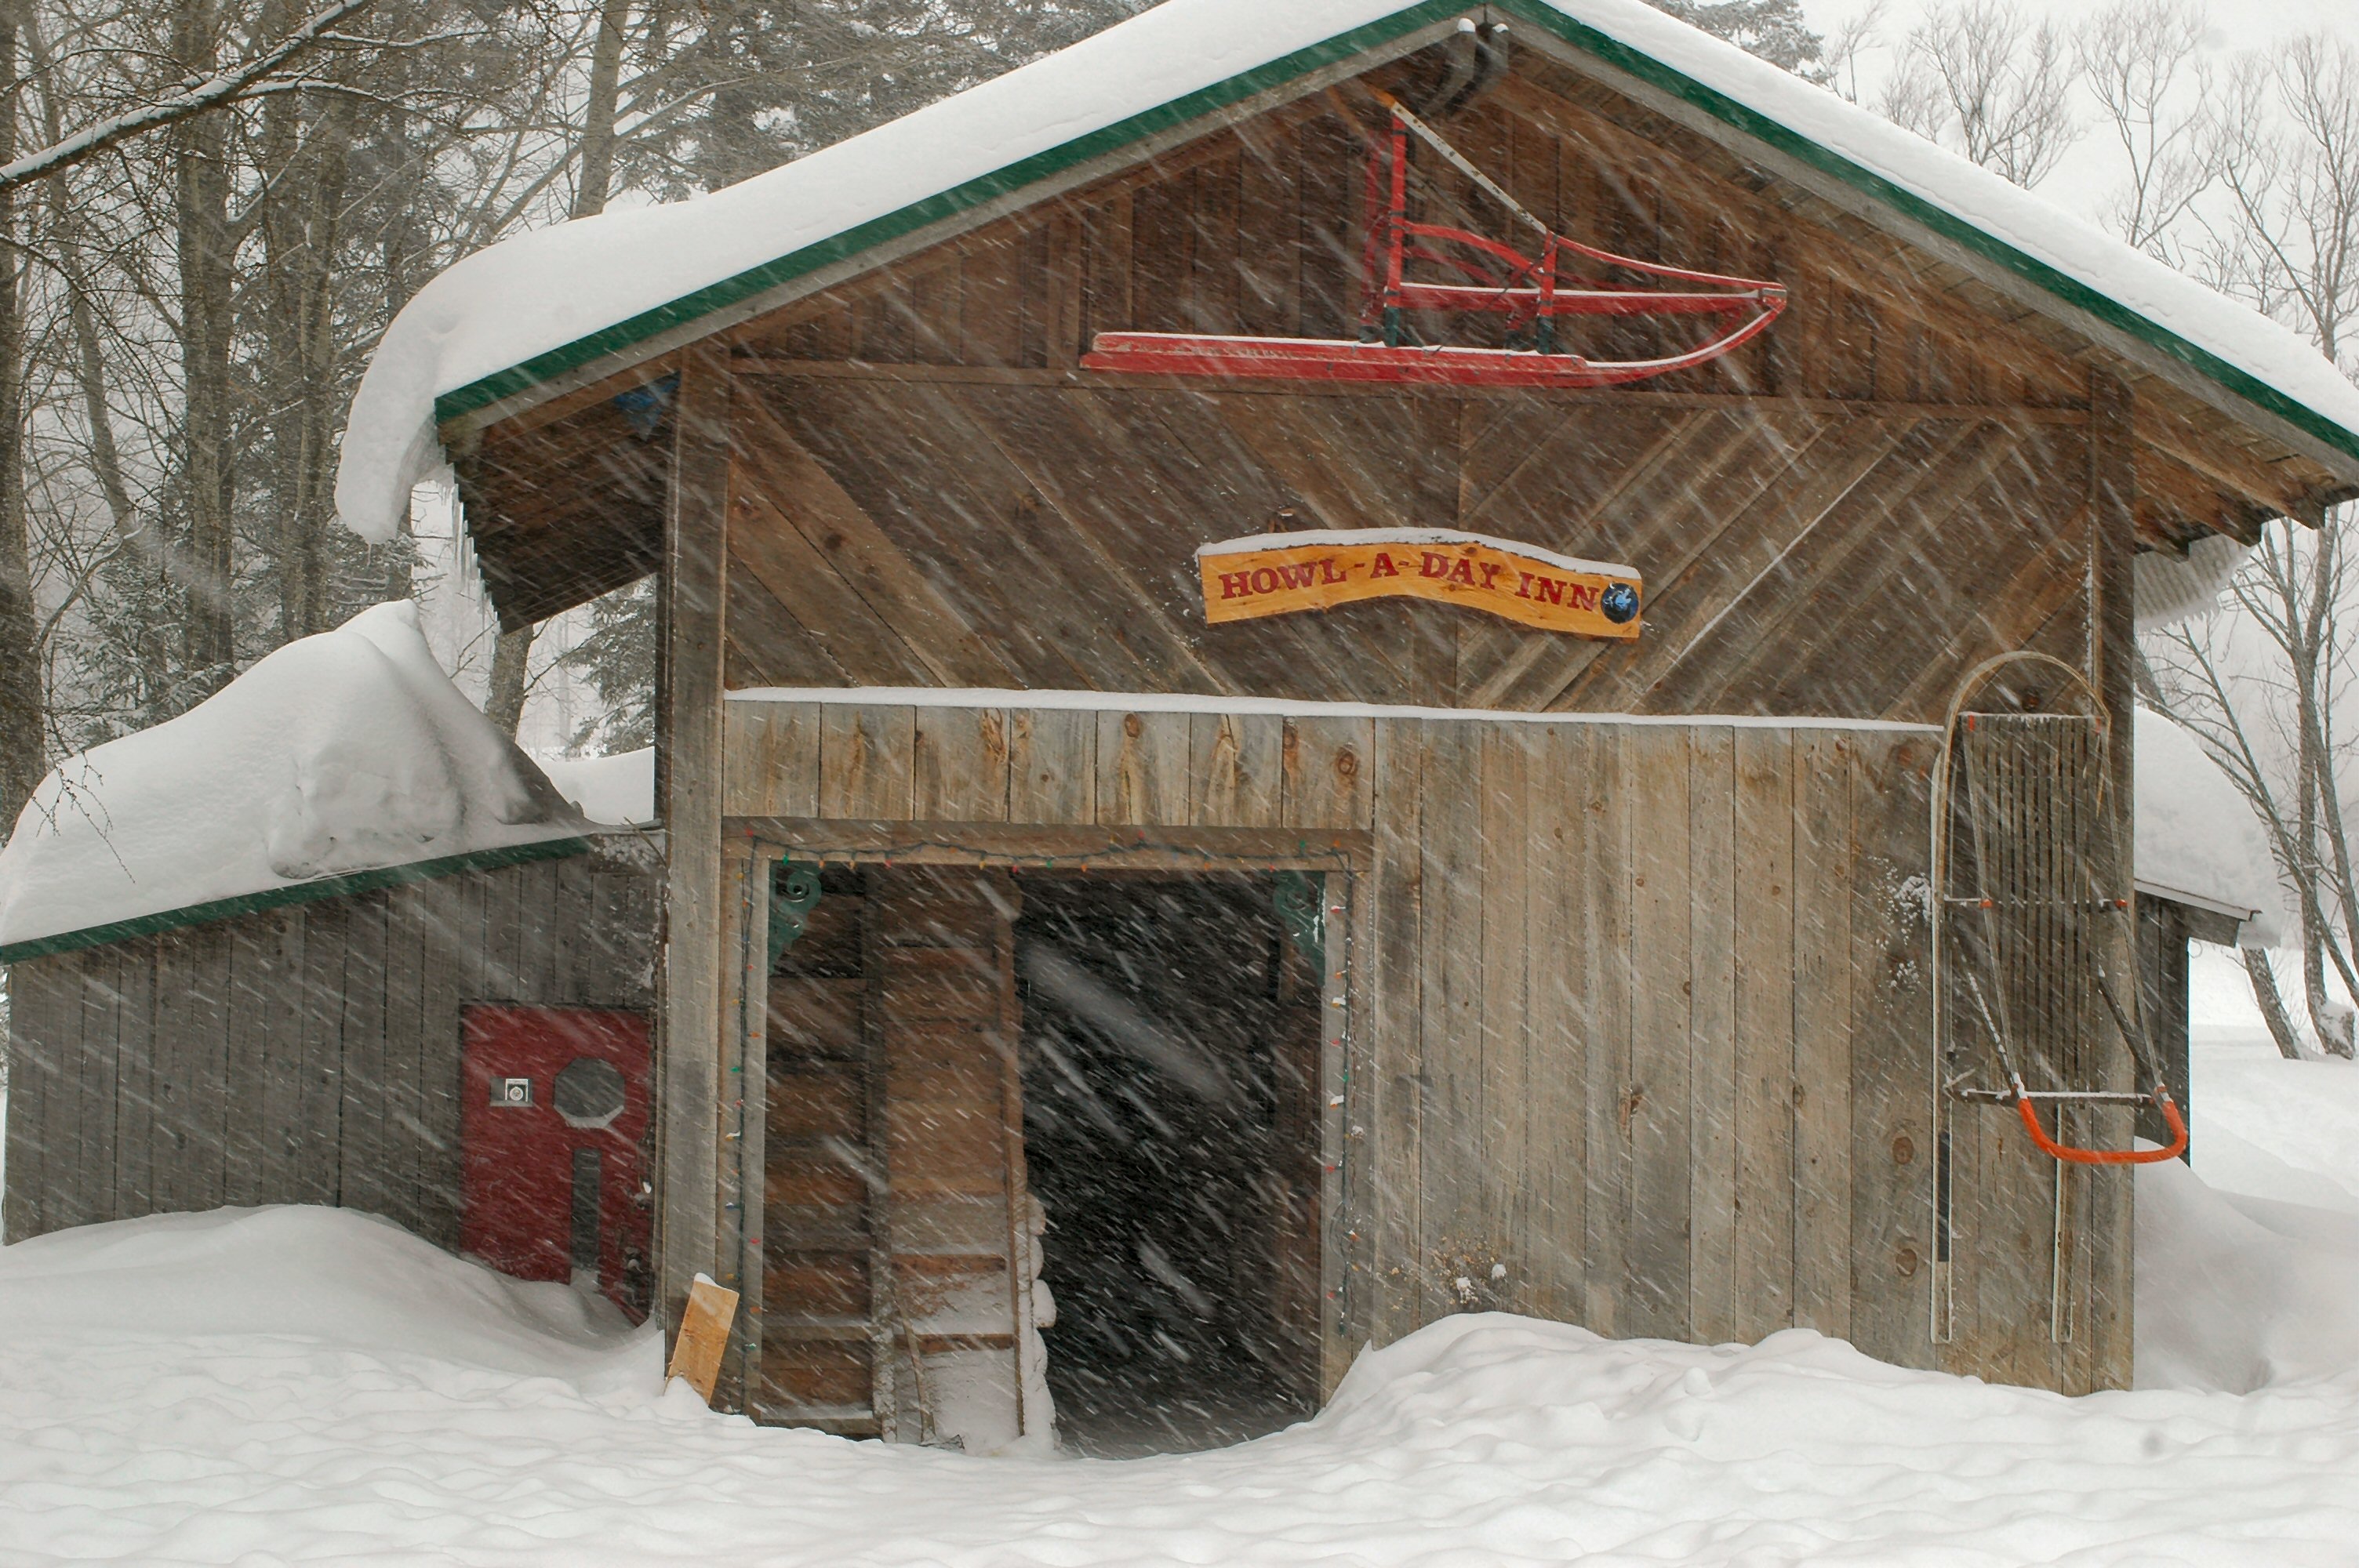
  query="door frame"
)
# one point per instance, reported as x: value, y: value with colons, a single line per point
x: 751, y: 846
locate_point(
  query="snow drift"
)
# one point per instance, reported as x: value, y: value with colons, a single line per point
x: 537, y: 292
x: 312, y: 1385
x: 344, y: 751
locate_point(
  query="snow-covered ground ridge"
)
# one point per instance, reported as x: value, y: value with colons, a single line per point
x: 1192, y: 702
x: 541, y: 304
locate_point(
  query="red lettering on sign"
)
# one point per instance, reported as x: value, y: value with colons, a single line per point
x: 1382, y: 565
x: 1464, y: 572
x: 1297, y: 575
x: 1582, y: 597
x: 1327, y: 566
x: 1431, y: 565
x: 1490, y: 569
x: 1233, y: 585
x: 1265, y: 580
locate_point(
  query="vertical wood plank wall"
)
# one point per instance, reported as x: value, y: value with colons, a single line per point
x: 1642, y: 1011
x: 302, y: 1055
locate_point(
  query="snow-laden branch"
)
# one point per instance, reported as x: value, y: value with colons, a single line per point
x: 239, y: 80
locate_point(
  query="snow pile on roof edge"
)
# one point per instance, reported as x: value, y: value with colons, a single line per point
x: 2197, y: 834
x: 619, y: 789
x: 539, y: 291
x: 345, y: 751
x: 2168, y: 588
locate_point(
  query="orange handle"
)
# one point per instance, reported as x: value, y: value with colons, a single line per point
x: 2065, y: 1151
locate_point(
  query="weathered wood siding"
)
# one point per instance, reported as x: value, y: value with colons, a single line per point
x: 885, y: 532
x: 1641, y: 1011
x: 307, y: 1054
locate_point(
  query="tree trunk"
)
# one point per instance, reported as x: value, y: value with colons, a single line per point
x: 24, y: 719
x: 504, y: 703
x: 2272, y: 1005
x: 300, y: 227
x: 201, y: 165
x: 597, y: 115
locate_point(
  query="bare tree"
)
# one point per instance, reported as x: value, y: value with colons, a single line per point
x: 2288, y: 155
x: 1984, y: 78
x: 22, y: 717
x: 2141, y: 61
x: 1846, y: 44
x: 2268, y: 716
x: 199, y: 93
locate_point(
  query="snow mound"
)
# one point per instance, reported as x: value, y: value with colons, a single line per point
x: 619, y: 789
x: 2241, y: 1293
x: 2248, y: 1263
x: 2197, y: 839
x: 336, y: 1279
x: 2268, y: 1128
x: 283, y: 1385
x: 344, y: 751
x: 538, y: 292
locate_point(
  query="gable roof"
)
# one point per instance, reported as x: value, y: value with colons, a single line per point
x: 535, y: 314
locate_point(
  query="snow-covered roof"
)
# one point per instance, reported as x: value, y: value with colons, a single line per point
x: 2198, y: 839
x: 346, y: 753
x: 595, y: 291
x: 620, y: 788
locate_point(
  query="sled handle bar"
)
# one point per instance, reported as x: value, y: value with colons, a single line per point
x: 2072, y: 1154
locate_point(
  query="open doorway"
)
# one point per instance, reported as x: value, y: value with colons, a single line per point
x: 1170, y: 1057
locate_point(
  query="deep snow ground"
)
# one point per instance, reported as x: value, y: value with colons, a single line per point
x: 305, y: 1386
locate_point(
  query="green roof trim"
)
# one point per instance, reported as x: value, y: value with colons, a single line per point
x: 342, y: 886
x: 542, y: 368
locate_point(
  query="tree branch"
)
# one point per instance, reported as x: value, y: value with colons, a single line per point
x: 226, y: 87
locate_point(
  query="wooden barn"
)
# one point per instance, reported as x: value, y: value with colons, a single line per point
x: 1327, y: 665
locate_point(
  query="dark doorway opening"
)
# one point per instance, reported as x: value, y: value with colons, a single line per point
x: 1171, y: 1049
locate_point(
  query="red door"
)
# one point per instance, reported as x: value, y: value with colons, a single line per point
x: 552, y: 1147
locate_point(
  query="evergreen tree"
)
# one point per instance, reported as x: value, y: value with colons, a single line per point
x: 1774, y: 29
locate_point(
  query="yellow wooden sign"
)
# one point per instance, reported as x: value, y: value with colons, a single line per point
x: 1276, y: 574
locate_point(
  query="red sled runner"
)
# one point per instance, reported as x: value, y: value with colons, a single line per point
x: 1531, y: 291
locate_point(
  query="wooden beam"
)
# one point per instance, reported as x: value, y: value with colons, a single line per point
x: 2271, y: 485
x: 688, y: 793
x: 2105, y: 1340
x: 1076, y: 847
x: 759, y: 366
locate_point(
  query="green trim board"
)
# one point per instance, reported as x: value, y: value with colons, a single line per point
x: 523, y: 378
x: 342, y: 886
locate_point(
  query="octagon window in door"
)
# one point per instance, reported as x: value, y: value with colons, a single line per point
x: 553, y: 1157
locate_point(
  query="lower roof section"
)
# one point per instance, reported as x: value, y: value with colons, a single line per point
x: 344, y: 886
